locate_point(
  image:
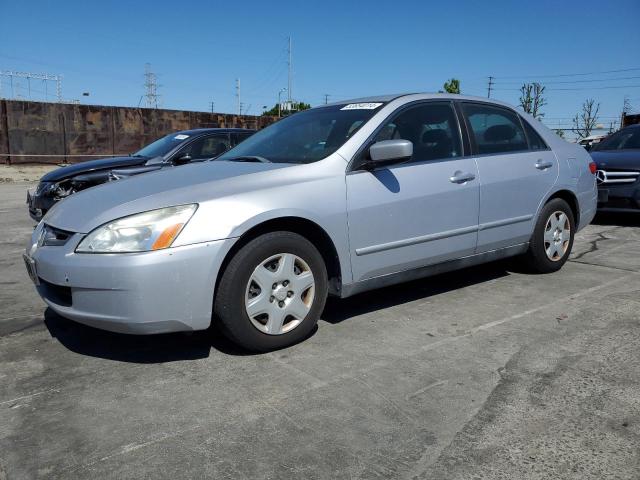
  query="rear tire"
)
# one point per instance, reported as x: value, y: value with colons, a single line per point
x: 552, y: 238
x: 272, y: 292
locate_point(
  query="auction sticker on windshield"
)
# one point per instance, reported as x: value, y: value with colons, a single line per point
x: 361, y: 106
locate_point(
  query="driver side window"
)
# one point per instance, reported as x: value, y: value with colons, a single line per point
x: 206, y: 147
x: 431, y: 127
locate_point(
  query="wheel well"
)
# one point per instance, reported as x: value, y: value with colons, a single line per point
x: 306, y: 228
x: 571, y: 199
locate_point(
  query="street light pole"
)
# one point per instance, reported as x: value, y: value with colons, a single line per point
x: 280, y: 93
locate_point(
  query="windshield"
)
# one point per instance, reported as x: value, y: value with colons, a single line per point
x: 161, y: 147
x: 626, y: 139
x: 304, y: 137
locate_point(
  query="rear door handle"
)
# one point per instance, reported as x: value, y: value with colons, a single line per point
x: 541, y: 165
x: 459, y: 177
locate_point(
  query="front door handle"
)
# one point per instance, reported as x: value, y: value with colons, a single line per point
x: 542, y: 165
x: 459, y: 177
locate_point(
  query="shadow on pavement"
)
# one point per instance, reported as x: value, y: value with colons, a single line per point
x: 620, y: 219
x: 168, y: 347
x: 338, y: 310
x: 171, y: 347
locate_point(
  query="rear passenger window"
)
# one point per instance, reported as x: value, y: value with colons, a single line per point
x: 431, y: 127
x: 535, y: 140
x: 495, y: 129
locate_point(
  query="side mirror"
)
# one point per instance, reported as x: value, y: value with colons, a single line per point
x: 388, y: 152
x: 184, y: 158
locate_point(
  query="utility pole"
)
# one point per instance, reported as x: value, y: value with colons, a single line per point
x: 238, y: 96
x: 326, y: 98
x: 289, y: 93
x: 279, y: 101
x: 211, y: 104
x: 151, y: 86
x: 626, y: 108
x: 489, y: 88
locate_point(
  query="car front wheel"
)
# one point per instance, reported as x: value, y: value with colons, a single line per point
x: 272, y: 292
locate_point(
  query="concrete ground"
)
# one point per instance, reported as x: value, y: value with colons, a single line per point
x: 483, y: 373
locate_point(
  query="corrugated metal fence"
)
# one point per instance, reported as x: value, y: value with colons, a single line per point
x: 39, y: 132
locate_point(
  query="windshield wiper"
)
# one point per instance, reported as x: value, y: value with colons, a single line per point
x: 249, y: 158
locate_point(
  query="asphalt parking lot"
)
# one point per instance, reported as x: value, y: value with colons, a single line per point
x: 483, y: 373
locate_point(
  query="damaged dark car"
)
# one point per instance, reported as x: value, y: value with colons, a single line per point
x: 175, y: 149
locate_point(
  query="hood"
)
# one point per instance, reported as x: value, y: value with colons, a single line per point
x: 195, y: 183
x: 616, y: 159
x: 91, y: 166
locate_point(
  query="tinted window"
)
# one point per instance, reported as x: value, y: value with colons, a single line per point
x: 207, y: 147
x: 535, y: 140
x: 431, y: 127
x: 495, y: 129
x: 162, y: 146
x: 307, y: 136
x: 626, y: 139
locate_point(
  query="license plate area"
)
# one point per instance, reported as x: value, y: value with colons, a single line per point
x: 30, y: 265
x: 603, y: 195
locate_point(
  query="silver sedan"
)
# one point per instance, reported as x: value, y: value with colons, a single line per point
x: 335, y: 200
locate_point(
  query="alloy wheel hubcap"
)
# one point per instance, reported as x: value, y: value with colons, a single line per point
x: 557, y: 234
x: 279, y: 293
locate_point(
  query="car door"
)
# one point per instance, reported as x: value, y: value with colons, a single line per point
x: 416, y: 213
x: 517, y: 170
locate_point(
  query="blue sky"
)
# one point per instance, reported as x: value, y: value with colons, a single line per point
x: 344, y: 49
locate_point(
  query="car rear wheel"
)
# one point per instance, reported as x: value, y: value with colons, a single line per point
x: 552, y: 238
x: 272, y: 292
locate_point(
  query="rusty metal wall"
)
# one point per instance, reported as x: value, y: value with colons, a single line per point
x: 38, y: 132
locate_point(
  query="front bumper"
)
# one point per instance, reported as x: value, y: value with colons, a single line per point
x: 620, y: 198
x: 38, y: 203
x: 151, y: 292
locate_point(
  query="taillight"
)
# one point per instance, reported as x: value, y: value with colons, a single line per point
x: 593, y: 167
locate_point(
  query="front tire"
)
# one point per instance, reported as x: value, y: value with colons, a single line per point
x: 272, y: 292
x: 552, y: 239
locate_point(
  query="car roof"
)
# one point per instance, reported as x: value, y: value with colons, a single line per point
x: 419, y: 96
x: 196, y: 131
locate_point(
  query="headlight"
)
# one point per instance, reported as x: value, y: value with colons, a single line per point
x: 142, y: 232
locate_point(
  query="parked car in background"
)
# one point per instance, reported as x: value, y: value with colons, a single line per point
x: 338, y: 199
x: 175, y: 149
x: 617, y: 161
x: 589, y: 142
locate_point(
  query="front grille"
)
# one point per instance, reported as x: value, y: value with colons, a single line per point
x: 616, y: 177
x: 55, y: 293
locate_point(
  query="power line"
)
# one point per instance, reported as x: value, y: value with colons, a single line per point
x: 572, y: 74
x: 571, y: 89
x: 575, y: 81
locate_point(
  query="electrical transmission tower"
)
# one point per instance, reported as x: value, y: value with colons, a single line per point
x: 489, y: 87
x: 44, y: 77
x: 238, y: 96
x: 151, y: 87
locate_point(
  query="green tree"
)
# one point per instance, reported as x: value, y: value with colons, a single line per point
x: 452, y: 86
x: 277, y: 111
x: 531, y: 99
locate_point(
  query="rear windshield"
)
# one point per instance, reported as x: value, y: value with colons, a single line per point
x: 305, y: 137
x: 626, y: 139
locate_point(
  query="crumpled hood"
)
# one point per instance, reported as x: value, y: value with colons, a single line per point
x: 91, y: 166
x: 196, y: 183
x: 616, y: 159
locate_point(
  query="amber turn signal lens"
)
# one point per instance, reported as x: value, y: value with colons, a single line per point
x: 166, y: 238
